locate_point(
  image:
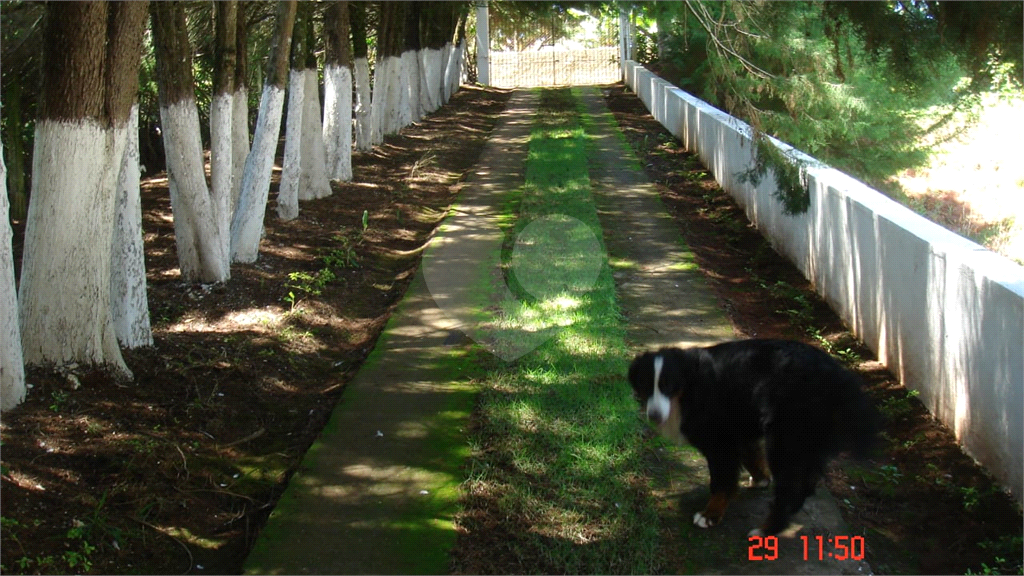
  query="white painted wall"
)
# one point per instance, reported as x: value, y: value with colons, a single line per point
x: 943, y: 313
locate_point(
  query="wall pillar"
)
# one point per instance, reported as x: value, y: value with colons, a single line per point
x: 483, y: 62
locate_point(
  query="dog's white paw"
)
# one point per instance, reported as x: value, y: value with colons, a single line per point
x: 755, y: 532
x: 702, y: 521
x: 763, y: 483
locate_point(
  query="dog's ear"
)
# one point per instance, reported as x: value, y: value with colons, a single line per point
x: 678, y: 366
x: 671, y: 380
x: 641, y: 375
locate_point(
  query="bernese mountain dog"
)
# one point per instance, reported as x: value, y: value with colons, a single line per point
x: 779, y: 408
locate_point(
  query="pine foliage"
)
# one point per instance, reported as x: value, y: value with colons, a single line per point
x: 822, y: 77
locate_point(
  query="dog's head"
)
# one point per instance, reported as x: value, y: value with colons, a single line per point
x: 655, y: 382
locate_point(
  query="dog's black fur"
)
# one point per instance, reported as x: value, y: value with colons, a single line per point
x: 773, y: 405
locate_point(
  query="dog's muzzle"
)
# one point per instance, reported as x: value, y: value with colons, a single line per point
x: 658, y: 407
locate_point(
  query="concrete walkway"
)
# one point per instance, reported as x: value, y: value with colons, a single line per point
x: 375, y: 493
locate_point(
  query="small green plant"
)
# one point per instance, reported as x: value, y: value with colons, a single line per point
x: 896, y: 407
x: 59, y: 397
x: 986, y: 569
x: 307, y: 284
x: 971, y: 497
x: 890, y: 474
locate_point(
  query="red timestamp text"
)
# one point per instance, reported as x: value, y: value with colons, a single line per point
x: 766, y: 548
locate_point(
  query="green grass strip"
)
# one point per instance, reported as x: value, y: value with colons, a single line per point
x: 558, y: 446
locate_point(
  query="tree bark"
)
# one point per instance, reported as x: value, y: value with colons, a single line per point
x: 222, y: 169
x: 90, y: 65
x: 239, y: 108
x: 247, y: 224
x: 129, y: 302
x: 455, y: 72
x: 303, y: 175
x: 386, y: 109
x: 197, y: 219
x: 12, y: 367
x: 361, y: 67
x: 337, y: 132
x: 15, y: 141
x: 409, y: 103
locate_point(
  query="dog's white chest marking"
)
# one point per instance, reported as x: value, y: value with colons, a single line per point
x: 664, y: 410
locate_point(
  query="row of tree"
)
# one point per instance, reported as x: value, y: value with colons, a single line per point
x: 82, y: 289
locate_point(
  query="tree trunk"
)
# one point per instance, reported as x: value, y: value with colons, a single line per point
x: 12, y: 368
x: 247, y: 224
x: 455, y: 72
x: 129, y: 303
x: 90, y: 72
x: 437, y: 32
x: 239, y: 109
x: 361, y: 66
x: 197, y: 229
x: 222, y: 168
x: 338, y: 93
x: 386, y: 110
x: 16, y: 144
x: 411, y: 50
x: 303, y: 175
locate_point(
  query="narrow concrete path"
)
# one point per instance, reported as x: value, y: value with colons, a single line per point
x: 667, y: 302
x: 375, y: 494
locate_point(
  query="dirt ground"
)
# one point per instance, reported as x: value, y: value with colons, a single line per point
x: 177, y: 471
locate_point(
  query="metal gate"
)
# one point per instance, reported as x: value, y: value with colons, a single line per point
x: 551, y: 46
x: 555, y: 67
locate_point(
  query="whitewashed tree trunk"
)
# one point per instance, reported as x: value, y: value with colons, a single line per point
x: 397, y: 98
x: 383, y: 91
x: 247, y: 224
x: 91, y: 53
x: 222, y: 165
x: 304, y: 174
x: 364, y: 125
x: 239, y: 142
x: 129, y: 302
x: 313, y: 180
x: 291, y: 167
x: 446, y: 81
x: 197, y: 224
x: 337, y: 133
x: 431, y: 80
x: 12, y: 367
x: 409, y: 97
x: 453, y: 71
x: 64, y: 296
